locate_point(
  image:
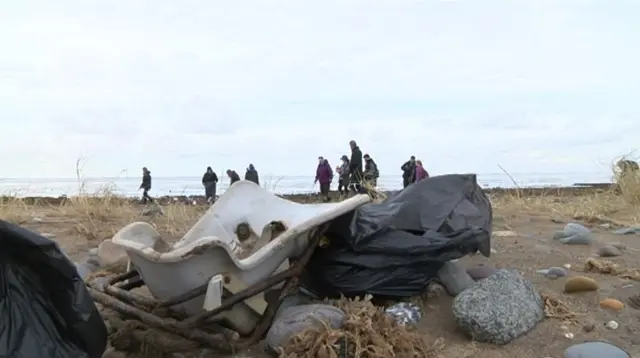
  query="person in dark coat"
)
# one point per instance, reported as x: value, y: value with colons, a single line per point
x: 409, y: 171
x: 343, y: 179
x: 324, y: 175
x: 233, y: 176
x: 210, y: 182
x: 355, y: 167
x: 146, y: 186
x: 252, y: 174
x: 371, y: 173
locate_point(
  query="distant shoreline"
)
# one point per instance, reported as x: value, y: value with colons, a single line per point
x: 576, y: 190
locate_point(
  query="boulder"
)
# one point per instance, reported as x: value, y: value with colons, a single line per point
x: 499, y: 308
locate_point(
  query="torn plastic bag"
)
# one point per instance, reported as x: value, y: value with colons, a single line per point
x: 396, y: 247
x: 46, y: 310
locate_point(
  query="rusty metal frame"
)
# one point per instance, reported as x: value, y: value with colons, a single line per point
x: 115, y: 294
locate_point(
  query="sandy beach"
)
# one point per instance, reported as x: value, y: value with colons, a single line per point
x: 524, y: 223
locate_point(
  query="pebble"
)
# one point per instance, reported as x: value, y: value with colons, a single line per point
x: 553, y: 272
x: 580, y: 284
x: 608, y: 251
x: 595, y: 350
x: 576, y: 240
x: 611, y: 303
x: 481, y: 271
x: 589, y: 327
x: 454, y: 278
x: 48, y: 235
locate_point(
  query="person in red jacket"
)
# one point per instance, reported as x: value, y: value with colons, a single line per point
x: 324, y: 175
x: 421, y: 172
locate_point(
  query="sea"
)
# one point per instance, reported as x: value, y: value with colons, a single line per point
x: 128, y: 186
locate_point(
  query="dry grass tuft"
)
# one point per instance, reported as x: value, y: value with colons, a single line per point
x: 596, y: 207
x: 95, y: 216
x: 627, y: 178
x: 14, y: 209
x: 367, y: 332
x: 593, y: 206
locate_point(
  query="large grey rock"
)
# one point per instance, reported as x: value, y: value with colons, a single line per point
x: 499, y: 308
x: 595, y: 350
x: 296, y: 319
x: 454, y: 277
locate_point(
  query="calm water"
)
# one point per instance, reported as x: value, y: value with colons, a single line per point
x: 278, y: 184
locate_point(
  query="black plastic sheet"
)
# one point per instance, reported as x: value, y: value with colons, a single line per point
x: 396, y: 247
x: 45, y: 308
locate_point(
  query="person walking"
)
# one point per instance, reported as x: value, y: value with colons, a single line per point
x: 371, y: 173
x: 324, y: 175
x: 408, y: 171
x: 233, y: 176
x: 146, y: 185
x: 252, y: 174
x: 355, y: 167
x: 343, y: 178
x: 421, y: 172
x: 210, y: 182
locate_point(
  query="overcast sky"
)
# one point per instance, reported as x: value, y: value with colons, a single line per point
x: 535, y: 86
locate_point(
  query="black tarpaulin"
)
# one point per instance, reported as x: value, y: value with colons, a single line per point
x: 45, y: 308
x: 396, y: 247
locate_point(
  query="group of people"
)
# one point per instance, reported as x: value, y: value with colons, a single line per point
x: 354, y: 177
x: 209, y: 181
x: 356, y: 174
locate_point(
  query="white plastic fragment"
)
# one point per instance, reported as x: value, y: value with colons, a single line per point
x: 612, y: 325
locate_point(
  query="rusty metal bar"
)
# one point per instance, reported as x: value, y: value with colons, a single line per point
x: 123, y: 277
x: 196, y: 292
x: 130, y: 284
